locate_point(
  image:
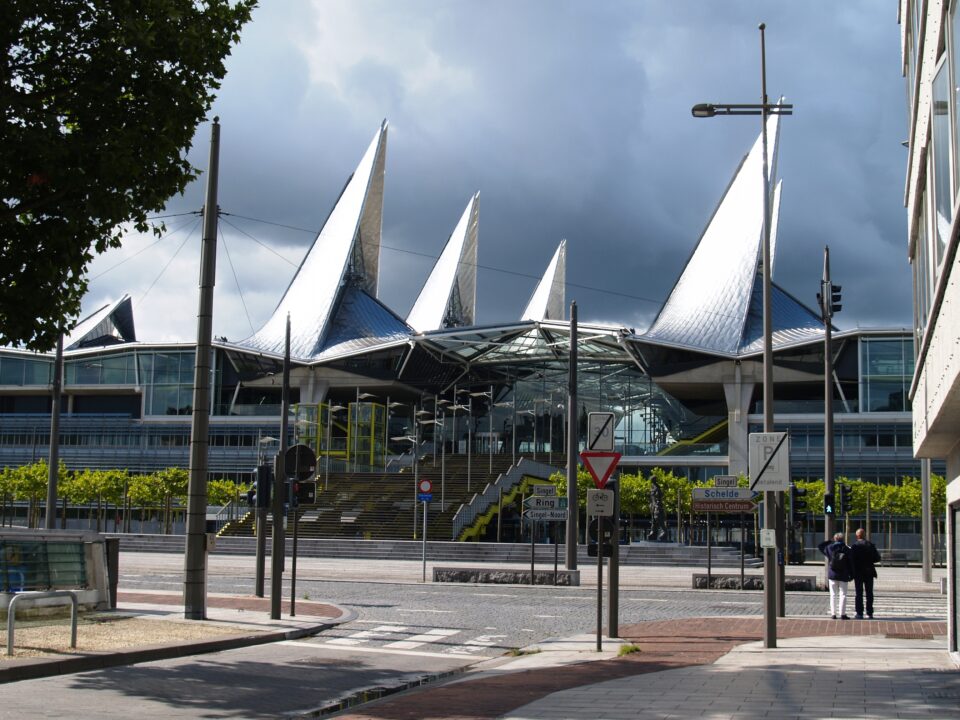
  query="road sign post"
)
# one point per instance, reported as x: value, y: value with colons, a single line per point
x: 600, y: 465
x: 424, y: 495
x: 600, y: 426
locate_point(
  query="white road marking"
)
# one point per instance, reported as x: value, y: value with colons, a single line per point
x: 360, y: 648
x: 548, y: 616
x: 418, y: 640
x: 481, y: 642
x: 383, y: 631
x: 420, y: 611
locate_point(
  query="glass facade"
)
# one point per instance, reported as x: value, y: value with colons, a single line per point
x: 19, y: 371
x: 940, y: 161
x: 102, y: 370
x: 168, y: 382
x: 886, y: 369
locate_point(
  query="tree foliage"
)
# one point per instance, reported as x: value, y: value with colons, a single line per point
x: 100, y: 99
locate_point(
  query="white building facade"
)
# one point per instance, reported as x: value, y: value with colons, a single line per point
x: 930, y: 43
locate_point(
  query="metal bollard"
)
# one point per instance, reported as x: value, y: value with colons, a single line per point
x: 11, y: 612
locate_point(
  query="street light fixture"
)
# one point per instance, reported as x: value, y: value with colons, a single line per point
x: 412, y: 439
x: 771, y: 500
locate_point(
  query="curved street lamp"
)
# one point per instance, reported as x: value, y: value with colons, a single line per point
x: 773, y: 502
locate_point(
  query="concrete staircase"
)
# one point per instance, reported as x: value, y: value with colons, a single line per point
x: 661, y: 554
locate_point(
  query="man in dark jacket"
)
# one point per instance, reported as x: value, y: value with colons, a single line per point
x: 839, y: 573
x: 865, y: 556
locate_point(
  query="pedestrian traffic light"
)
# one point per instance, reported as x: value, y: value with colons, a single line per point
x: 798, y: 503
x: 846, y: 500
x: 828, y: 507
x: 264, y: 483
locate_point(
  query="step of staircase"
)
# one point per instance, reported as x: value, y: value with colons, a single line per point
x: 663, y: 554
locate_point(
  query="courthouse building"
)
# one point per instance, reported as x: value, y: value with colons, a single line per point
x: 686, y: 391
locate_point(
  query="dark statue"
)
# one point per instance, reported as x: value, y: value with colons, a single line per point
x: 658, y: 526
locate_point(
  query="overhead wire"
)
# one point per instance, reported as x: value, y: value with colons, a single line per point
x: 172, y: 258
x: 144, y: 249
x: 430, y: 256
x: 236, y: 280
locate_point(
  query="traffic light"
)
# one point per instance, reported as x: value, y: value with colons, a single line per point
x: 846, y: 500
x: 828, y: 507
x: 829, y: 299
x: 798, y: 503
x: 592, y: 532
x: 264, y: 483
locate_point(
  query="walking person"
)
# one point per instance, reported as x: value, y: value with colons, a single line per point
x: 865, y: 556
x: 839, y: 573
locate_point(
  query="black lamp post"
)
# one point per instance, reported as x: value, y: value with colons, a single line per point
x: 772, y: 500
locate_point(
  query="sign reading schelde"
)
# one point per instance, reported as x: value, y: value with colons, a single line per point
x: 715, y: 493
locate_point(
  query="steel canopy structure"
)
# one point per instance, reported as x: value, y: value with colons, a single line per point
x: 683, y: 391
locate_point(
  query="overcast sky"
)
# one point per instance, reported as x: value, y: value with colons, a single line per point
x: 572, y: 120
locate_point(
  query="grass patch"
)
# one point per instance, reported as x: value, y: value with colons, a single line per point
x: 628, y: 649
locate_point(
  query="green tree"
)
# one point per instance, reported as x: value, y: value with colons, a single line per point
x: 221, y: 492
x: 101, y: 99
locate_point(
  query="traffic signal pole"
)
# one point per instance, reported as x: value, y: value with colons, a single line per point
x: 826, y: 312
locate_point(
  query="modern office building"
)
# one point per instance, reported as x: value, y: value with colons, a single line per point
x: 930, y: 43
x: 686, y: 392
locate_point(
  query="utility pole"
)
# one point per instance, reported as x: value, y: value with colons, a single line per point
x: 573, y: 445
x: 279, y: 489
x: 827, y: 296
x: 195, y: 556
x: 53, y: 464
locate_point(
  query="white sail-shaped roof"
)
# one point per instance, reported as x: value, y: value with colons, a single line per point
x: 549, y: 298
x: 109, y: 325
x: 707, y: 308
x: 347, y: 251
x: 449, y: 296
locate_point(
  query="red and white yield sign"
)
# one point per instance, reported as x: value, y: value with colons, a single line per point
x: 425, y: 486
x: 601, y: 465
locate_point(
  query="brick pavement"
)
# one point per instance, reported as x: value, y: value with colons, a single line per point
x: 664, y: 645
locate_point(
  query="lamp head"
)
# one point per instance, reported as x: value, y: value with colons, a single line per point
x: 704, y: 110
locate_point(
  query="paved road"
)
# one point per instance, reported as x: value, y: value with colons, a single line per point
x: 404, y: 630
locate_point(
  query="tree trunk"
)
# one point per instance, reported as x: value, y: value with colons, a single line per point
x: 63, y: 518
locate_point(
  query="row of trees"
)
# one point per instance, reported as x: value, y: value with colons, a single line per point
x: 903, y: 499
x: 161, y: 494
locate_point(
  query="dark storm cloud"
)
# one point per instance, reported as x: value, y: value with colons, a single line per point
x: 572, y: 119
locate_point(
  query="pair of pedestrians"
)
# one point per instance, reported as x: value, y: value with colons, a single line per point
x: 855, y: 562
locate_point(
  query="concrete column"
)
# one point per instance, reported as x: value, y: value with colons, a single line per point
x: 738, y: 395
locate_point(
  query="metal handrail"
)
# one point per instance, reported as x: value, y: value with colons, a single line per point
x: 11, y: 612
x: 481, y: 501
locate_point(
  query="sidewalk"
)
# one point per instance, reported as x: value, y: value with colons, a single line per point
x: 709, y: 667
x: 247, y: 617
x: 701, y: 667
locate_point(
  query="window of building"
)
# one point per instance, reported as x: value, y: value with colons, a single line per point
x: 954, y: 39
x: 940, y: 161
x: 921, y: 273
x: 886, y: 369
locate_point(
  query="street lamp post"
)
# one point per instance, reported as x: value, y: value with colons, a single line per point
x: 771, y: 500
x: 331, y: 409
x: 488, y: 394
x: 533, y: 414
x: 356, y: 425
x: 513, y: 430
